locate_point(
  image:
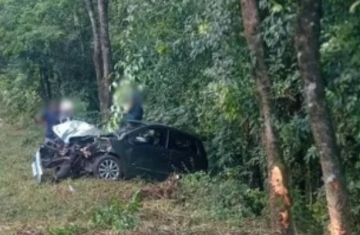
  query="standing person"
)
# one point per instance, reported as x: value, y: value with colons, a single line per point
x: 135, y: 109
x: 49, y: 118
x: 66, y: 111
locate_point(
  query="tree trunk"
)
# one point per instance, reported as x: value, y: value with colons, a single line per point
x: 97, y: 57
x: 44, y: 74
x: 307, y: 45
x: 103, y: 6
x: 44, y: 92
x: 279, y: 199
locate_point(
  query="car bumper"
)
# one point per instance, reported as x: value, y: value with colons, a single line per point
x: 37, y: 168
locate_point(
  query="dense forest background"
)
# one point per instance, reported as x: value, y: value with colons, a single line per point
x: 193, y: 62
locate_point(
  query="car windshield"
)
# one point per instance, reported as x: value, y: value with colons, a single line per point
x: 128, y: 127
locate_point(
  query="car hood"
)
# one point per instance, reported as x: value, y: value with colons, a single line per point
x: 71, y: 129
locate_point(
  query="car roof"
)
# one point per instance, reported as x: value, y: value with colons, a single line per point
x: 150, y: 124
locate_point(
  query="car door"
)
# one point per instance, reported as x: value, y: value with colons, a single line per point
x: 183, y: 152
x: 149, y: 154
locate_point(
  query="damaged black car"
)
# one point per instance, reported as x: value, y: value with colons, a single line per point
x: 138, y: 149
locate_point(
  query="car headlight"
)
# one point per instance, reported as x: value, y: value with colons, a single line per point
x: 104, y: 144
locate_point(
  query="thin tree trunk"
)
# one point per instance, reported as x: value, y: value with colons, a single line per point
x: 45, y: 76
x: 307, y: 45
x: 45, y: 95
x: 103, y: 8
x: 279, y: 199
x: 59, y: 83
x: 97, y: 57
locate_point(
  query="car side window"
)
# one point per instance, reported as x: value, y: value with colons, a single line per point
x: 151, y: 137
x: 181, y: 142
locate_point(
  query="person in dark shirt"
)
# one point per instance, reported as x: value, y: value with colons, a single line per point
x: 50, y: 118
x: 135, y: 110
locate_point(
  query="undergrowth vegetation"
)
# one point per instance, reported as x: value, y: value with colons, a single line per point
x: 221, y: 198
x: 117, y: 215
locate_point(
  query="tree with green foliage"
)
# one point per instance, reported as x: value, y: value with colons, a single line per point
x: 279, y: 196
x: 46, y: 52
x: 191, y: 60
x: 102, y: 56
x: 307, y: 44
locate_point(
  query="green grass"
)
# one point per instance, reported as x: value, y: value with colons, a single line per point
x: 69, y: 208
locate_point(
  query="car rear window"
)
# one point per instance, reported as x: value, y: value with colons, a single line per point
x: 181, y: 142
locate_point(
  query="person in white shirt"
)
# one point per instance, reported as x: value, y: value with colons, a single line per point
x: 66, y: 111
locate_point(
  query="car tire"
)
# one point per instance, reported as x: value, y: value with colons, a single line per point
x: 108, y: 167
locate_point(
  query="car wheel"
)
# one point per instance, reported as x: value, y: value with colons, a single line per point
x: 108, y: 168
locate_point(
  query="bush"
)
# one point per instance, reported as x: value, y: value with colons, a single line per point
x: 222, y: 198
x: 18, y: 102
x: 118, y: 215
